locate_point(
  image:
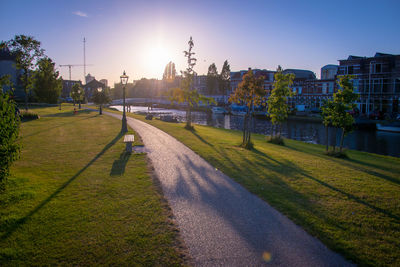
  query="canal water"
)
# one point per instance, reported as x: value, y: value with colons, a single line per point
x: 384, y: 143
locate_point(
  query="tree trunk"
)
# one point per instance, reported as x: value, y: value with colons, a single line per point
x: 188, y: 118
x: 79, y: 104
x: 101, y: 111
x: 26, y: 90
x: 333, y: 139
x: 249, y: 130
x: 326, y: 137
x: 341, y: 141
x: 244, y: 131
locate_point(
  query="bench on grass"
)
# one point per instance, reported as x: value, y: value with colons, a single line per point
x: 129, y: 139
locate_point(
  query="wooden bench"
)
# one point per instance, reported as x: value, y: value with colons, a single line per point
x: 129, y: 139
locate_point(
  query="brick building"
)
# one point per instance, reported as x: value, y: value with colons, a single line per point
x: 377, y: 80
x: 236, y: 78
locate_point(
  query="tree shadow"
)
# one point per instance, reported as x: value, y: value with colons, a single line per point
x: 249, y: 216
x: 58, y: 126
x: 118, y: 167
x: 200, y: 138
x: 352, y: 163
x: 12, y: 227
x: 68, y: 113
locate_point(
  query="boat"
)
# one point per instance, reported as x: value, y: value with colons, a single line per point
x: 238, y: 110
x: 393, y: 127
x: 168, y: 118
x: 219, y: 110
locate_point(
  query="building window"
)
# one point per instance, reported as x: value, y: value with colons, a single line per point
x: 397, y: 85
x: 324, y: 87
x: 330, y: 88
x: 377, y: 86
x: 377, y: 68
x: 350, y: 69
x: 355, y: 85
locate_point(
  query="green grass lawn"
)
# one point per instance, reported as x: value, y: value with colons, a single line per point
x: 352, y: 205
x: 75, y: 198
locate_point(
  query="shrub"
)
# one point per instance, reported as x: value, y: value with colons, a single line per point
x: 277, y: 140
x: 336, y: 154
x: 9, y: 128
x: 27, y: 115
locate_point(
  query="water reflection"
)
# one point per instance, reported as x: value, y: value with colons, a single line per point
x: 384, y: 143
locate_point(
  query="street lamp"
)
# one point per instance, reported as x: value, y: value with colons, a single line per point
x: 124, y: 81
x: 79, y: 95
x: 100, y: 89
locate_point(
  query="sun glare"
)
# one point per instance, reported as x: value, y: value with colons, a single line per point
x: 157, y: 58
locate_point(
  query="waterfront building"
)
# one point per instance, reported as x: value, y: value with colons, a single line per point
x: 104, y: 81
x: 67, y: 87
x: 91, y: 86
x: 236, y: 78
x: 7, y: 67
x: 89, y: 78
x: 377, y: 81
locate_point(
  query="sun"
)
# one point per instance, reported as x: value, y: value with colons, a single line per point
x: 157, y: 58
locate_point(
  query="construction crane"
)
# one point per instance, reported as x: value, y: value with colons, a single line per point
x: 73, y: 65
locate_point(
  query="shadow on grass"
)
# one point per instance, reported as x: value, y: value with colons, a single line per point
x: 12, y: 227
x: 352, y: 163
x: 290, y: 169
x: 118, y: 167
x: 60, y: 125
x: 200, y: 138
x: 68, y: 113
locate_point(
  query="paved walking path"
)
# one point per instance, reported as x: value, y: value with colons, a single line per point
x: 221, y: 223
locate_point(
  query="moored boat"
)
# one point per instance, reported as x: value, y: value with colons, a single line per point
x: 390, y: 127
x: 219, y: 110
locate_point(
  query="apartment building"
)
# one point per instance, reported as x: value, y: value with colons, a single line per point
x: 376, y: 80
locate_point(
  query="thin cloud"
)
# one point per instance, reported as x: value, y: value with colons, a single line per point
x: 80, y: 14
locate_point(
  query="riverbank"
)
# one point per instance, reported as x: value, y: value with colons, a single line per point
x: 351, y: 205
x: 76, y: 198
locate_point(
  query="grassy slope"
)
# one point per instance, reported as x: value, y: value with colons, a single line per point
x: 352, y: 205
x: 76, y: 198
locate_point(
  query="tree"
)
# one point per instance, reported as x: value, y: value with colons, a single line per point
x: 250, y: 92
x: 9, y: 125
x: 343, y: 101
x: 224, y: 80
x: 27, y: 51
x: 101, y: 97
x: 278, y: 107
x: 327, y: 118
x: 212, y: 79
x: 77, y: 94
x: 336, y: 111
x: 47, y: 84
x: 186, y: 93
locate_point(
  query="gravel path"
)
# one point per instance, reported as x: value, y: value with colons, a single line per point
x: 221, y: 223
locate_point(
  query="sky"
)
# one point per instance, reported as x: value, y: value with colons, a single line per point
x: 141, y: 37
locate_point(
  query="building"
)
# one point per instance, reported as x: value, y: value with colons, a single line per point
x: 329, y: 72
x: 237, y: 76
x: 104, y: 81
x: 91, y: 86
x: 7, y: 67
x: 89, y: 78
x: 377, y: 81
x: 200, y: 83
x: 67, y: 87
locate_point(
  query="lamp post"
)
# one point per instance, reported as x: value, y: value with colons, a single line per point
x: 100, y: 89
x: 79, y: 94
x: 124, y: 81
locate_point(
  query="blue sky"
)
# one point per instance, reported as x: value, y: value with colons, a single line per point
x: 142, y: 36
